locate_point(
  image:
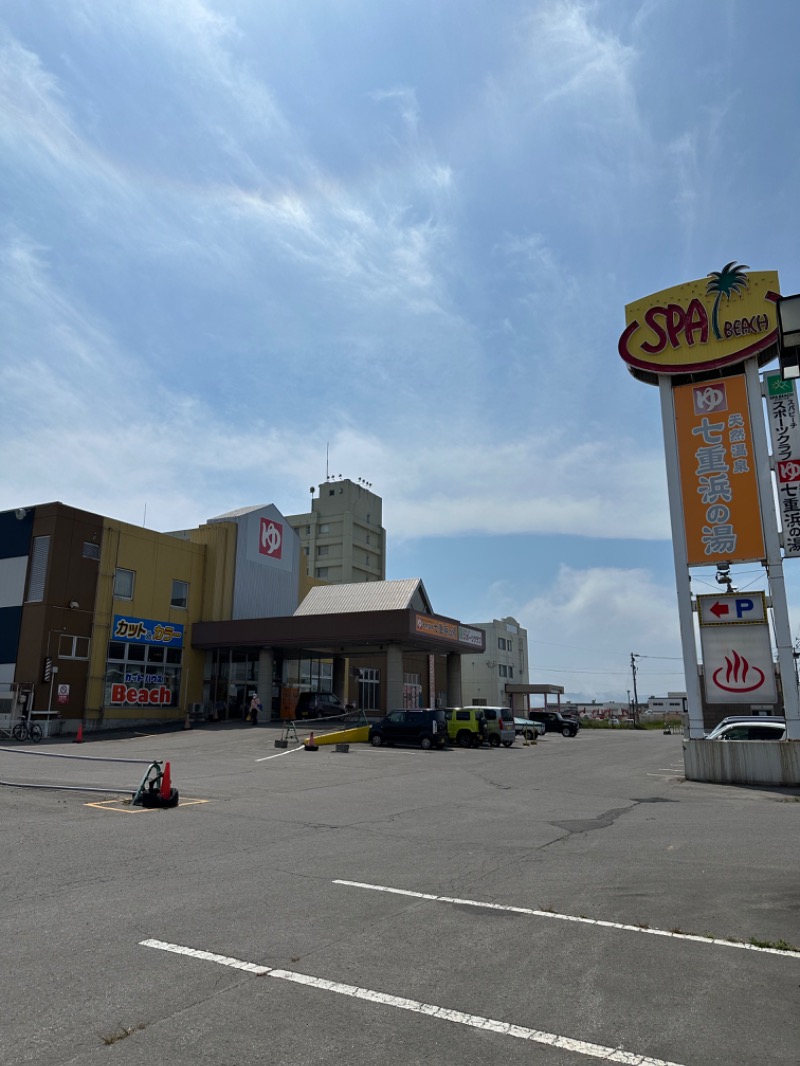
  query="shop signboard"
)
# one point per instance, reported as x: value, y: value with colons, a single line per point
x: 147, y: 631
x: 712, y: 322
x: 737, y: 664
x: 436, y: 627
x: 719, y: 485
x: 784, y: 427
x: 475, y: 637
x: 157, y: 695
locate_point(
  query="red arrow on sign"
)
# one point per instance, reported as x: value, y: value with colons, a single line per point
x: 719, y: 609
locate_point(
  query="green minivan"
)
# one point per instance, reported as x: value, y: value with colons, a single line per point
x: 466, y: 726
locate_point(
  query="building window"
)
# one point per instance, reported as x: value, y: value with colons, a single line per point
x: 503, y: 670
x: 369, y: 689
x: 123, y: 584
x: 308, y: 531
x: 501, y: 643
x: 39, y: 557
x: 72, y: 647
x: 325, y: 528
x: 509, y: 645
x: 180, y: 594
x: 91, y: 550
x: 322, y: 571
x: 305, y: 550
x: 511, y: 671
x: 322, y: 549
x: 331, y: 492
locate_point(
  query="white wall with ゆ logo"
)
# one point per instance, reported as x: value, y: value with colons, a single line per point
x: 266, y: 581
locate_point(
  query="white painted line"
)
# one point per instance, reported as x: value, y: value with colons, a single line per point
x: 570, y: 918
x: 431, y: 1010
x: 278, y: 754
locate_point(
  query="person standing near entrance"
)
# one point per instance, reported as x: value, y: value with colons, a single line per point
x: 255, y: 707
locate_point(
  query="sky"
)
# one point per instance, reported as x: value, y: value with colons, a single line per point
x: 245, y: 244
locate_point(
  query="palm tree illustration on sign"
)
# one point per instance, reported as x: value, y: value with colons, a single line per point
x: 725, y: 282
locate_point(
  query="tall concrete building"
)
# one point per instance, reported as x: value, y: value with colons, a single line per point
x: 342, y: 537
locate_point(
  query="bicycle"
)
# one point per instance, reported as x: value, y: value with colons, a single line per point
x: 23, y: 731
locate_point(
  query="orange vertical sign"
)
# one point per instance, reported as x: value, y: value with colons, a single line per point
x: 721, y: 509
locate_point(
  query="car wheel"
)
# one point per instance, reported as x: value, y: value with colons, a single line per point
x: 494, y: 740
x: 477, y: 740
x: 507, y: 743
x: 376, y: 740
x: 567, y: 732
x: 425, y: 743
x: 464, y: 738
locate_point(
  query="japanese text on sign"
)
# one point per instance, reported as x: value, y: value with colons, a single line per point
x: 146, y: 631
x: 718, y: 480
x: 784, y: 426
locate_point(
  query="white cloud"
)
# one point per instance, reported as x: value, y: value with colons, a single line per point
x: 584, y: 627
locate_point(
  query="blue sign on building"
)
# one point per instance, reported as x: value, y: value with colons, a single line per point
x: 147, y: 631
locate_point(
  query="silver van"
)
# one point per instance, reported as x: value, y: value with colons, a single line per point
x: 500, y: 725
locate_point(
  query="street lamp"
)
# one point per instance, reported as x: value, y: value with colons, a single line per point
x: 634, y: 657
x: 788, y: 309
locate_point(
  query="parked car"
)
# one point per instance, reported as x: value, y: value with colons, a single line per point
x: 528, y: 728
x: 755, y: 729
x: 746, y: 719
x: 426, y: 727
x: 500, y: 725
x: 318, y: 705
x: 466, y: 726
x: 555, y: 722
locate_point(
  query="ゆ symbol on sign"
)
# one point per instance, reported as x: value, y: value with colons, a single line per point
x: 709, y: 398
x: 270, y: 537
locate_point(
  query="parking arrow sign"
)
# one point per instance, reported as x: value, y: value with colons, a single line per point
x: 746, y: 609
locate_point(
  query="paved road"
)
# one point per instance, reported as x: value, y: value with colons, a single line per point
x: 556, y: 904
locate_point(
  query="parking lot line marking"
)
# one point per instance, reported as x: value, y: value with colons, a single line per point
x: 570, y: 918
x: 106, y: 805
x: 278, y: 754
x: 431, y: 1010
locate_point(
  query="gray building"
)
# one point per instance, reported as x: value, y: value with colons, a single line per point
x: 341, y: 537
x: 492, y: 679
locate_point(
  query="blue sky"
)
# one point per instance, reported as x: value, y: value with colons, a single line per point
x: 238, y: 234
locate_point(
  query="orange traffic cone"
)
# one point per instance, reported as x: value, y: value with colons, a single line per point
x: 166, y: 783
x: 310, y: 745
x: 79, y: 734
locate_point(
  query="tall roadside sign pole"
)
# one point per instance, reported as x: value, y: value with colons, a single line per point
x: 702, y: 344
x: 694, y: 699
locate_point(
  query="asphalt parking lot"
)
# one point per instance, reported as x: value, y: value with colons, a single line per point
x: 559, y: 903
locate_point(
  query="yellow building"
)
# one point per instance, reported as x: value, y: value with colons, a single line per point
x: 152, y: 587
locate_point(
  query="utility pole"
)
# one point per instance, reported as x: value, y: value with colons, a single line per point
x: 634, y: 657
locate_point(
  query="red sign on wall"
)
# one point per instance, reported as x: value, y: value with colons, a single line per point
x: 270, y: 540
x: 788, y: 470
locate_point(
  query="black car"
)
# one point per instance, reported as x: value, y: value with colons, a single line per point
x: 555, y: 722
x: 319, y: 705
x: 425, y: 727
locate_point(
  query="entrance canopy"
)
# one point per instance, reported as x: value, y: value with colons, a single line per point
x: 350, y: 620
